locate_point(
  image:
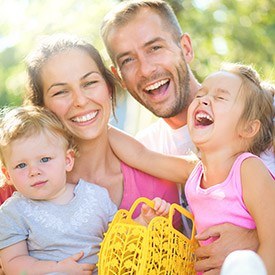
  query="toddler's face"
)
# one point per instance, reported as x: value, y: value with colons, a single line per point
x: 37, y: 166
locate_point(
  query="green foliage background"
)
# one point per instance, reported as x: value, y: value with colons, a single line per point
x: 221, y: 30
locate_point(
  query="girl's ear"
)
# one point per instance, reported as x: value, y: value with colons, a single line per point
x: 6, y: 174
x: 70, y: 156
x: 251, y: 128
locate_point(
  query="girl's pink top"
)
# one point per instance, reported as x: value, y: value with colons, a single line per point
x: 220, y: 203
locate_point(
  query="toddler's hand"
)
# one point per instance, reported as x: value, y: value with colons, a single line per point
x: 161, y: 208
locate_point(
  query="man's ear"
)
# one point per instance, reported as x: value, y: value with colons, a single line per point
x: 117, y: 76
x: 6, y: 174
x: 251, y: 128
x: 186, y: 44
x: 70, y: 156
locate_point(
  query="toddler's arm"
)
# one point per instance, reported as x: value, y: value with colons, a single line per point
x: 132, y: 152
x: 16, y: 260
x: 161, y: 208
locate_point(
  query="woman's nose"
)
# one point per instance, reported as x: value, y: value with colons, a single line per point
x: 79, y: 99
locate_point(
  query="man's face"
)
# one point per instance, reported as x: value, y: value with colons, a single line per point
x: 151, y: 64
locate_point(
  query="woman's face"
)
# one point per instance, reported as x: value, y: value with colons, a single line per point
x: 75, y: 90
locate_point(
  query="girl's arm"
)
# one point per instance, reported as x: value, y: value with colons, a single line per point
x: 132, y: 152
x: 259, y: 193
x: 16, y: 260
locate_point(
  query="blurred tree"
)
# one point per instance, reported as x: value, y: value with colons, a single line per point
x: 231, y: 30
x: 22, y: 22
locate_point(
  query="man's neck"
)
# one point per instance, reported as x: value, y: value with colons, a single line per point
x: 177, y: 121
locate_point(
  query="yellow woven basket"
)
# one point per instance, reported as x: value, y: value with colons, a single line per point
x: 129, y: 248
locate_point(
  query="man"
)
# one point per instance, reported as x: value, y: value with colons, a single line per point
x: 151, y: 58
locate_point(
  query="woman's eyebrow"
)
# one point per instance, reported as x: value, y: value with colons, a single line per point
x: 89, y: 73
x: 56, y: 84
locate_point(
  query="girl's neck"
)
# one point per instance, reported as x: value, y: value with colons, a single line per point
x: 217, y: 167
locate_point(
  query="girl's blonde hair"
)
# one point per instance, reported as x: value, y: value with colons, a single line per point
x: 26, y: 121
x: 258, y: 99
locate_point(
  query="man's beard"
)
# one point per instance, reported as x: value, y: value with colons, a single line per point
x: 182, y: 93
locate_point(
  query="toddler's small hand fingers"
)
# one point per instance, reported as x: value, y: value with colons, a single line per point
x: 163, y: 208
x: 145, y: 208
x: 157, y: 203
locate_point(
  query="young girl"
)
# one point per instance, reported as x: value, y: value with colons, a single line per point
x: 231, y: 122
x: 50, y: 225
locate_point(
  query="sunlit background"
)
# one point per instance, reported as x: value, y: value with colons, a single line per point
x: 221, y: 30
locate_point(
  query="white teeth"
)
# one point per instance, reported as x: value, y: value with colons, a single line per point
x: 200, y: 116
x: 85, y: 118
x: 156, y: 85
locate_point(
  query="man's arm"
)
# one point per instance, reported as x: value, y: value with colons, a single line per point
x: 230, y: 238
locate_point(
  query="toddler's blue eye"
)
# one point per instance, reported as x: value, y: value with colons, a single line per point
x: 21, y: 165
x: 45, y: 159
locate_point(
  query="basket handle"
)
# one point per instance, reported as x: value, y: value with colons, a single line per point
x: 180, y: 209
x: 183, y: 211
x: 137, y: 202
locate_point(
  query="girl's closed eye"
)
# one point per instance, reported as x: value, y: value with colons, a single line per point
x: 222, y: 94
x: 200, y: 94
